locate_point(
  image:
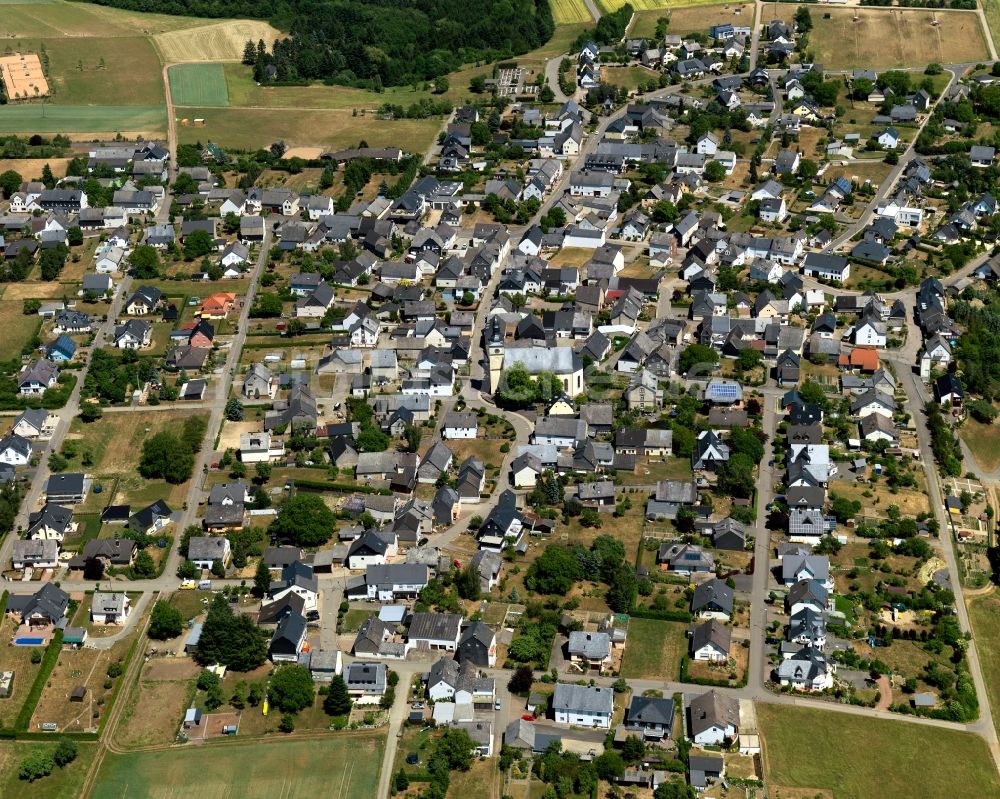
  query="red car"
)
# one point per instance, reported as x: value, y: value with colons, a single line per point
x: 528, y: 717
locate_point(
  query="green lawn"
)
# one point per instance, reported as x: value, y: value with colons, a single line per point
x: 353, y: 620
x: 198, y: 84
x: 654, y: 649
x: 335, y: 767
x: 984, y: 613
x: 855, y: 757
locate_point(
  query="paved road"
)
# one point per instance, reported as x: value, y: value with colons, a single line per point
x: 207, y: 453
x: 32, y: 500
x: 552, y: 78
x: 917, y: 396
x: 888, y: 185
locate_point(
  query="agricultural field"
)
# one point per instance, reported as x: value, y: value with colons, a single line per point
x: 873, y: 756
x: 219, y: 41
x: 609, y: 6
x: 693, y: 17
x: 90, y: 120
x: 338, y: 767
x: 63, y: 783
x: 32, y: 167
x: 568, y: 11
x: 654, y: 649
x: 885, y: 38
x: 198, y: 84
x: 79, y: 20
x: 247, y: 128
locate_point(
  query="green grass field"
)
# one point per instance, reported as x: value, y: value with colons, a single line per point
x: 198, y: 84
x: 569, y: 11
x: 654, y: 650
x: 40, y: 118
x: 984, y: 613
x: 339, y: 767
x: 854, y: 757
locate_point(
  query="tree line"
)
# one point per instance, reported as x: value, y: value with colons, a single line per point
x: 390, y: 43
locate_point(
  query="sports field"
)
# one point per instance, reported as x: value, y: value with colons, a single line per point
x: 855, y: 757
x: 198, y: 84
x: 569, y: 11
x: 883, y: 38
x: 335, y: 767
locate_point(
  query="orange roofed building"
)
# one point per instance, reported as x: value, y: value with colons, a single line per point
x: 218, y: 305
x: 864, y: 359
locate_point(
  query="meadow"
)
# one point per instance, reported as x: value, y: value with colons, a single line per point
x: 249, y: 128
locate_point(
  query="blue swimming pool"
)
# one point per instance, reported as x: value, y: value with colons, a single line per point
x: 29, y: 641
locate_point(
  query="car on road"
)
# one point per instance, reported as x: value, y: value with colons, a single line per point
x: 187, y: 585
x: 496, y: 705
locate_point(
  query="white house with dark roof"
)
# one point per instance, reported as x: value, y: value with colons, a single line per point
x: 583, y: 705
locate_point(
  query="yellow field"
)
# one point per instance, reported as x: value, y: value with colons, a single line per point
x: 220, y: 41
x: 569, y: 11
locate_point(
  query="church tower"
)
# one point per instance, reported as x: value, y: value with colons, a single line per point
x: 494, y: 346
